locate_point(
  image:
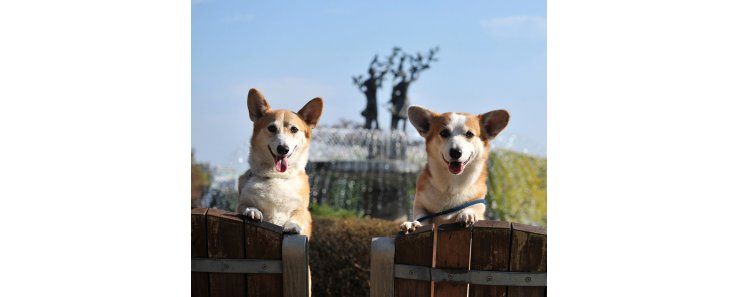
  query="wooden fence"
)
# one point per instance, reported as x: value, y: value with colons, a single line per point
x: 492, y: 258
x: 234, y: 257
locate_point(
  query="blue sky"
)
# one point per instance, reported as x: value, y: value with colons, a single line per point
x: 492, y: 56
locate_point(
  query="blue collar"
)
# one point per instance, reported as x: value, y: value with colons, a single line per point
x: 451, y: 210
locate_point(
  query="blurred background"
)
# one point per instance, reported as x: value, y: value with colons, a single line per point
x: 489, y: 55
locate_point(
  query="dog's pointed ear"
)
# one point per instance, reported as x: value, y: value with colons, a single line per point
x: 311, y: 112
x: 493, y: 122
x: 257, y: 105
x: 421, y: 118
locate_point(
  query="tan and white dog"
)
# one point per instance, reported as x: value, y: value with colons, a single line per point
x: 275, y: 188
x: 455, y: 173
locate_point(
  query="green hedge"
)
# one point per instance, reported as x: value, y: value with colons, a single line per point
x: 517, y: 188
x: 339, y: 253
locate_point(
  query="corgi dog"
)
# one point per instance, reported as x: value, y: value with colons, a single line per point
x: 455, y: 172
x: 275, y: 188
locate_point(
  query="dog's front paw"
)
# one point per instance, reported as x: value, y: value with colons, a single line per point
x: 407, y: 227
x: 467, y: 218
x: 253, y: 214
x: 292, y: 228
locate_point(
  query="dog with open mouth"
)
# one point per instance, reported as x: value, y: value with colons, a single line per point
x: 452, y: 185
x: 275, y: 188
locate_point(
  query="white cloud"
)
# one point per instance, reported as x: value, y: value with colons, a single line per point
x: 519, y: 26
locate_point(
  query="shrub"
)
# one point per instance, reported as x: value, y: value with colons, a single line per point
x: 200, y: 180
x: 339, y: 253
x: 517, y: 188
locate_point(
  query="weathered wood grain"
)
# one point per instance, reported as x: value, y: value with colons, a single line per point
x: 263, y: 241
x: 453, y: 252
x: 296, y: 274
x: 416, y: 248
x: 490, y: 251
x: 226, y: 241
x: 198, y: 249
x: 381, y: 266
x: 528, y: 254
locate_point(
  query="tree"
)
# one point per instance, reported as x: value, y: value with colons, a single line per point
x: 200, y: 180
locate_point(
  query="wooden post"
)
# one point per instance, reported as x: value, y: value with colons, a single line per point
x: 225, y: 241
x: 528, y: 254
x: 416, y: 248
x: 296, y: 275
x: 490, y: 251
x: 453, y: 254
x: 198, y: 249
x: 263, y: 241
x: 381, y: 266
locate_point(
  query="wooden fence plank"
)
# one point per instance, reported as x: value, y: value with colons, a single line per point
x: 198, y: 249
x: 225, y: 241
x: 381, y: 266
x: 528, y: 254
x: 416, y: 248
x: 453, y: 252
x: 490, y: 251
x: 263, y: 241
x: 296, y: 273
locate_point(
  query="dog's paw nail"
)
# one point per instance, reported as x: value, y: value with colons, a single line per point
x: 292, y: 228
x: 253, y: 214
x: 408, y: 227
x: 467, y: 219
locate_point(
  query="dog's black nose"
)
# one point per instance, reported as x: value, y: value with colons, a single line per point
x: 282, y: 149
x: 455, y: 153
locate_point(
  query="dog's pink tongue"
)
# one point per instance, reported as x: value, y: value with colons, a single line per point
x: 456, y: 167
x: 281, y: 165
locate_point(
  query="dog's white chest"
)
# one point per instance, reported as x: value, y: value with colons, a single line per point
x: 276, y: 198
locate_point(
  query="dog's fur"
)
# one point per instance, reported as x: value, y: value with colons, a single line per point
x: 443, y: 184
x: 275, y: 188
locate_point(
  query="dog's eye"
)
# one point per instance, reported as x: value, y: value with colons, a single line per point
x: 294, y: 129
x: 272, y: 128
x: 444, y: 133
x: 469, y: 134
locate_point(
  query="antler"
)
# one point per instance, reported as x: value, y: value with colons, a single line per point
x: 357, y: 80
x: 418, y: 63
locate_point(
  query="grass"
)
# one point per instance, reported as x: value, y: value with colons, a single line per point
x: 327, y: 211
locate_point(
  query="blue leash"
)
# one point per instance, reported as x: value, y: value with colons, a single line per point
x: 451, y: 210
